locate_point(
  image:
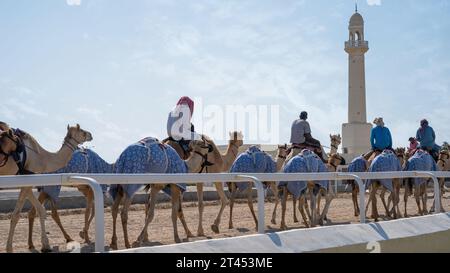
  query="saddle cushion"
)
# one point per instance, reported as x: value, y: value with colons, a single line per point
x: 82, y: 161
x: 252, y: 161
x: 387, y: 161
x: 421, y: 161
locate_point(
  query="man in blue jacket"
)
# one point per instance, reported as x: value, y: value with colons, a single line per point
x: 380, y: 136
x: 426, y: 137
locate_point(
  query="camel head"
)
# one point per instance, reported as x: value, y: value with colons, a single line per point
x: 336, y: 160
x: 336, y: 140
x: 443, y: 162
x: 283, y: 151
x: 400, y: 152
x: 236, y: 139
x: 78, y: 135
x: 8, y: 144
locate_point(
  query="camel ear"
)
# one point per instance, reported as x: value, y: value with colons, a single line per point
x: 331, y: 136
x: 68, y: 127
x: 78, y: 126
x: 339, y: 135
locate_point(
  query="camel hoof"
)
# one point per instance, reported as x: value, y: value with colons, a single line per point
x: 46, y: 250
x: 190, y: 235
x: 283, y: 227
x: 295, y: 220
x: 273, y: 221
x: 200, y: 234
x: 215, y: 229
x: 127, y: 245
x: 113, y: 246
x: 376, y: 219
x: 137, y: 244
x: 177, y: 240
x: 82, y: 234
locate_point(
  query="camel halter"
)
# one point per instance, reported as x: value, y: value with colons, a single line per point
x: 70, y: 145
x: 205, y: 163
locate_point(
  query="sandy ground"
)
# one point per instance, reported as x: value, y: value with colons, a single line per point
x: 161, y: 232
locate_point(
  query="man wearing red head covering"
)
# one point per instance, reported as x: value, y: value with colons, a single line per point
x: 179, y: 126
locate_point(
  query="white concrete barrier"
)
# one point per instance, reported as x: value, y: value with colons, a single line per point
x: 429, y: 233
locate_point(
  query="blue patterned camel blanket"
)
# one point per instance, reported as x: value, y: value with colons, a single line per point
x: 421, y: 161
x: 305, y: 162
x: 82, y: 161
x: 358, y: 165
x: 147, y: 156
x: 252, y: 161
x: 387, y: 161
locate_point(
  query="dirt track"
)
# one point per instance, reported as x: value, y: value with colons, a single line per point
x: 161, y: 232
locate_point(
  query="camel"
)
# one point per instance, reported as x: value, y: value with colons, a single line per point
x: 385, y: 162
x: 334, y: 160
x: 221, y: 163
x: 151, y: 156
x: 255, y: 161
x: 420, y: 161
x: 305, y: 162
x: 335, y: 141
x: 358, y: 164
x: 443, y: 164
x: 83, y: 161
x: 37, y: 160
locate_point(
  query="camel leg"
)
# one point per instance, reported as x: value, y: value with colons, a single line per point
x: 274, y: 188
x: 88, y: 214
x: 373, y: 197
x: 417, y: 197
x: 56, y: 218
x: 355, y: 191
x: 329, y: 197
x: 114, y: 212
x: 313, y: 208
x: 405, y: 197
x: 175, y: 208
x: 294, y: 205
x: 201, y: 208
x: 383, y: 201
x: 42, y: 216
x: 301, y: 207
x: 233, y: 191
x: 147, y: 207
x: 223, y: 204
x: 31, y: 216
x: 150, y: 213
x: 283, y: 208
x: 15, y: 218
x: 124, y: 217
x: 180, y: 213
x: 250, y: 205
x: 424, y: 198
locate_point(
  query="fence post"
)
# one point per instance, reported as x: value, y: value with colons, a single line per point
x: 260, y: 191
x: 99, y: 210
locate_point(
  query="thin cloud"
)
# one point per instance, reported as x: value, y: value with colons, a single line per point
x: 374, y: 2
x: 73, y: 2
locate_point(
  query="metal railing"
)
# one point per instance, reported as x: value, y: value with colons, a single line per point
x: 356, y: 43
x: 94, y: 181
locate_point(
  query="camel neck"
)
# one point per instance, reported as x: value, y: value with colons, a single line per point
x: 194, y: 163
x: 229, y: 156
x: 280, y: 161
x: 42, y: 161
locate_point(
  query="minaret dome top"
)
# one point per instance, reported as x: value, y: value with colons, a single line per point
x: 356, y: 20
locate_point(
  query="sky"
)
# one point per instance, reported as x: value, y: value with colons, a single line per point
x: 117, y: 67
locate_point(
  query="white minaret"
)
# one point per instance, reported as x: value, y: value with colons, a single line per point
x: 356, y: 133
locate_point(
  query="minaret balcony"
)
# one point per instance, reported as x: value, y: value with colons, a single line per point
x: 357, y: 44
